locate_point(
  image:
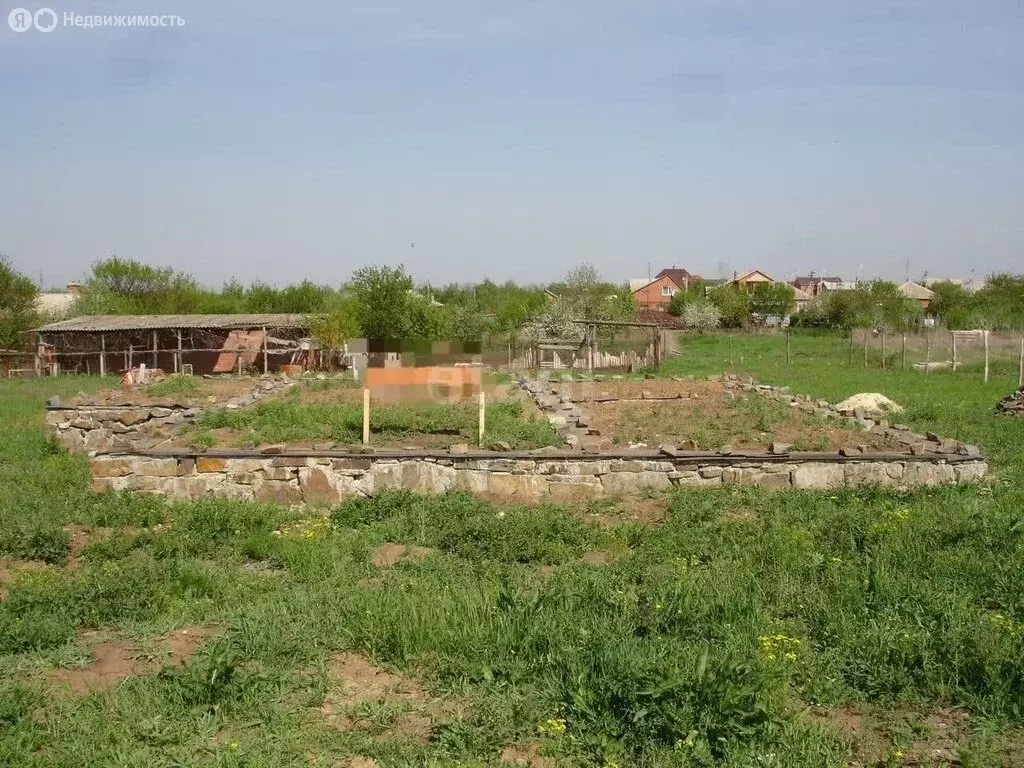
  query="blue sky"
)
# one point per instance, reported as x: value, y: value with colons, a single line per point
x: 513, y: 140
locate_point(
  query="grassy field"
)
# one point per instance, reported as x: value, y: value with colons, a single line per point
x: 709, y: 628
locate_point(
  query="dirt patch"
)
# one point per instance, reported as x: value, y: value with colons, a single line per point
x: 703, y: 415
x: 526, y: 753
x: 357, y: 685
x: 643, y: 511
x: 902, y: 737
x: 113, y: 660
x: 390, y: 554
x: 79, y: 538
x: 360, y: 762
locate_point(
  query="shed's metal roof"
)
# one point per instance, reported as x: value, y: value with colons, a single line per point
x: 101, y: 323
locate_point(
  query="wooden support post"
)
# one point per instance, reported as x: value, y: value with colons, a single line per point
x: 927, y: 352
x: 952, y: 335
x: 483, y: 411
x: 266, y: 367
x: 789, y: 351
x: 156, y: 354
x: 131, y: 355
x: 852, y: 332
x: 239, y: 359
x: 883, y: 350
x: 986, y: 357
x: 181, y: 359
x: 103, y: 354
x: 1020, y: 373
x: 366, y: 417
x: 903, y: 354
x: 866, y: 337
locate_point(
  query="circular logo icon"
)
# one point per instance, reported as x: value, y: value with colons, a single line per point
x: 45, y: 19
x: 19, y: 20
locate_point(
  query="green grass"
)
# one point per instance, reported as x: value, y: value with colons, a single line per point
x: 172, y: 386
x: 672, y: 654
x: 285, y: 420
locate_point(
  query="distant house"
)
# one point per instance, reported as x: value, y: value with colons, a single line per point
x: 680, y: 277
x: 654, y: 294
x: 657, y: 293
x: 815, y: 286
x: 918, y: 293
x: 750, y: 279
x: 800, y: 299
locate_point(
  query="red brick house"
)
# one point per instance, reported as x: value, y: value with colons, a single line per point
x: 657, y: 293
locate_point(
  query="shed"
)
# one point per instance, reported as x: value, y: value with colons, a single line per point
x: 101, y: 344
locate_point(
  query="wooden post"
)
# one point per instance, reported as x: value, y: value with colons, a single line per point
x: 852, y: 332
x: 181, y: 359
x: 952, y: 335
x: 986, y: 357
x: 789, y: 351
x: 366, y: 416
x: 483, y: 410
x: 239, y: 359
x: 883, y: 350
x: 131, y: 354
x: 156, y: 358
x: 1020, y: 374
x: 927, y: 352
x: 266, y: 367
x: 866, y: 337
x: 903, y: 354
x: 103, y: 354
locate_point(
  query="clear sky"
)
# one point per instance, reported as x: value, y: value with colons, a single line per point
x: 514, y: 139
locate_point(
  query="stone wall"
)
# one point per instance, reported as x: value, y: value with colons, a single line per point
x: 87, y: 428
x: 322, y: 479
x: 103, y: 427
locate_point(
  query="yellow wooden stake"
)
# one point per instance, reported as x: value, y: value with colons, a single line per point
x: 366, y: 416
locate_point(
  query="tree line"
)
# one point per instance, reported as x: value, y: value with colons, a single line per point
x: 378, y: 302
x: 385, y: 303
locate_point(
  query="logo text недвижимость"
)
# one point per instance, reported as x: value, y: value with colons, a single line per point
x: 47, y: 19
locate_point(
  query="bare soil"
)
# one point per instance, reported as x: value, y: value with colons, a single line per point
x: 607, y: 513
x: 525, y: 753
x: 701, y: 417
x: 390, y: 554
x: 355, y: 681
x: 937, y: 737
x: 114, y: 660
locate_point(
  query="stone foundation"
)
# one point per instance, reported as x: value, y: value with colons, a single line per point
x: 89, y: 428
x: 323, y: 479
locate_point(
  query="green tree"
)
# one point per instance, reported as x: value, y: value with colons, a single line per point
x: 949, y: 298
x: 385, y: 303
x: 772, y: 300
x: 17, y: 305
x: 733, y: 306
x: 126, y: 287
x: 695, y: 292
x: 338, y: 324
